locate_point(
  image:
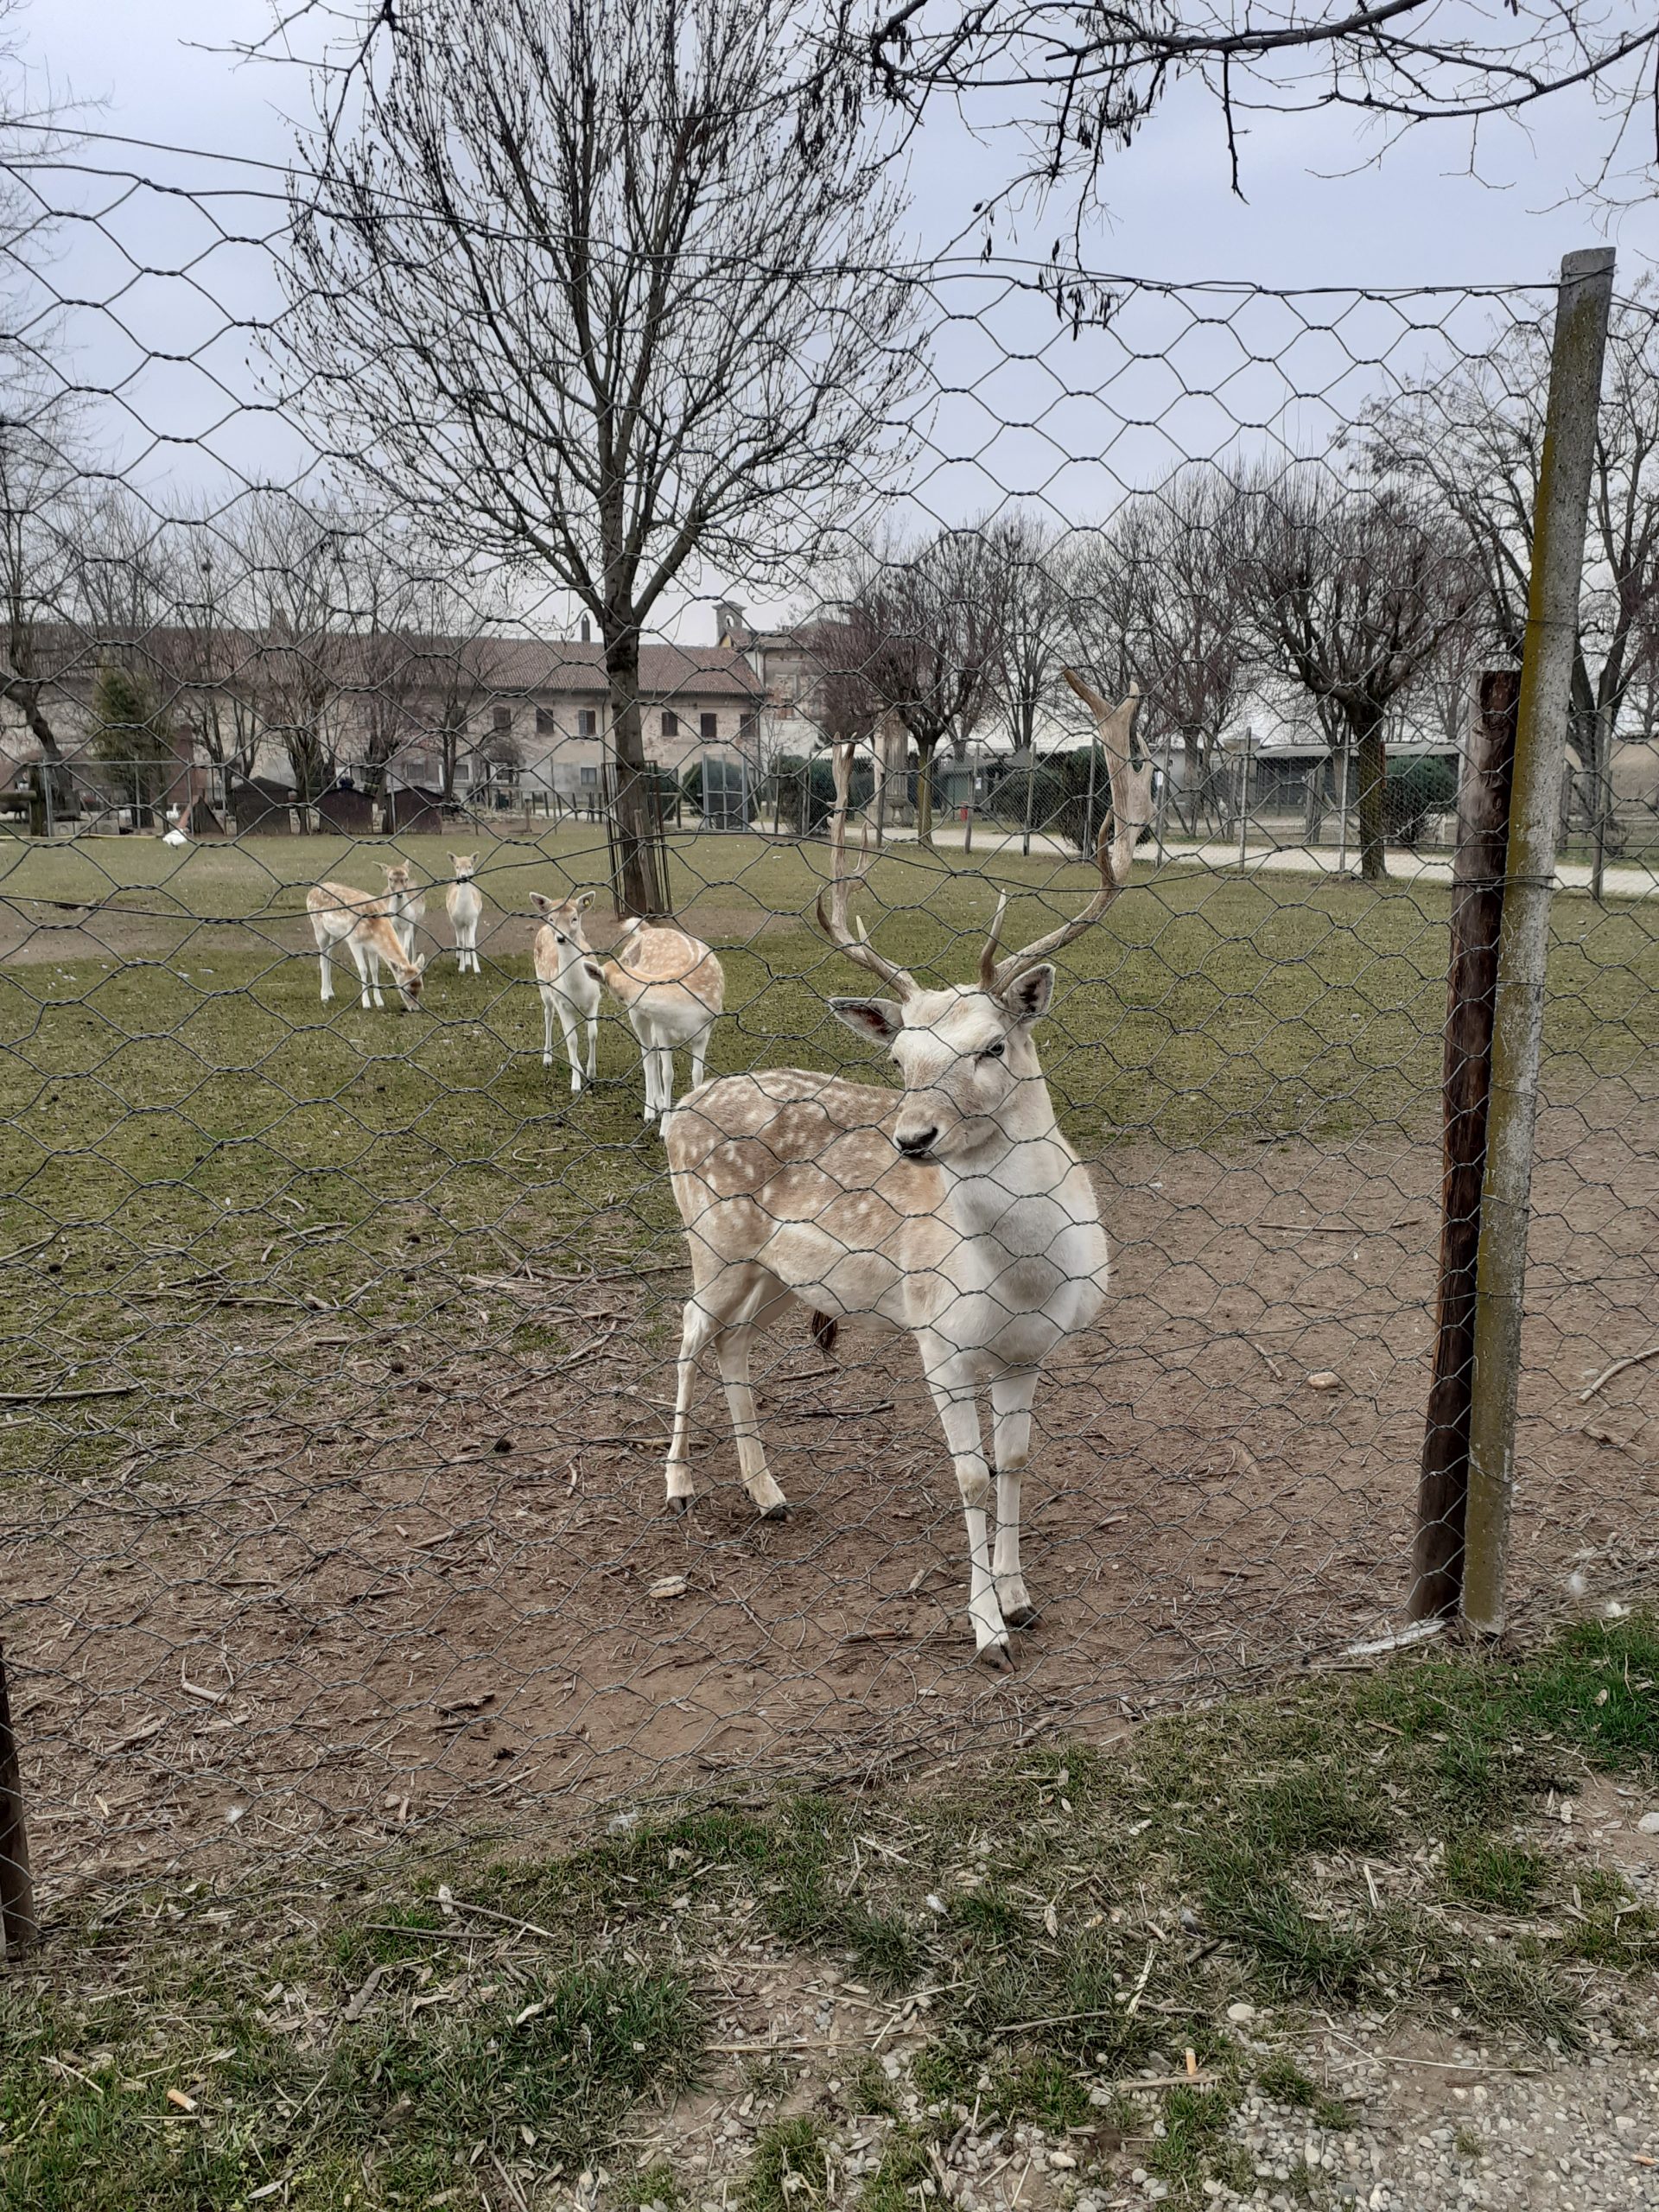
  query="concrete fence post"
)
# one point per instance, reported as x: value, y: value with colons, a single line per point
x: 1583, y: 304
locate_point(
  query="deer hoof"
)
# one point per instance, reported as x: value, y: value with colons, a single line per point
x: 778, y: 1512
x: 678, y: 1506
x: 996, y: 1658
x: 1021, y: 1617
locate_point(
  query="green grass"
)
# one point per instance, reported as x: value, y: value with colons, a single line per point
x: 192, y: 1150
x: 387, y: 2041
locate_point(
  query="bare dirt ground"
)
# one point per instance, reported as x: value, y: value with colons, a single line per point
x: 452, y: 1595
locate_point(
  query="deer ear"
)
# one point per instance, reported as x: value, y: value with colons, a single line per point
x: 420, y: 965
x: 880, y: 1020
x: 1026, y: 998
x: 586, y: 901
x: 543, y: 905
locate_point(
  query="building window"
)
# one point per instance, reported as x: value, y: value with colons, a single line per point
x: 501, y: 720
x: 670, y: 722
x: 745, y: 726
x: 547, y: 722
x: 589, y: 778
x: 709, y: 727
x: 588, y: 725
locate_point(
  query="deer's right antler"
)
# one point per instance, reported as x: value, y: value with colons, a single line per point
x: 1131, y: 787
x: 832, y: 899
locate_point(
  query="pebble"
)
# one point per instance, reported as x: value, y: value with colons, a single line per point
x: 1649, y: 1824
x: 1241, y: 2014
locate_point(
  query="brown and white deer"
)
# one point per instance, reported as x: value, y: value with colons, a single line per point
x: 957, y: 1211
x: 672, y: 987
x: 464, y: 902
x: 569, y: 977
x: 405, y: 903
x: 368, y: 928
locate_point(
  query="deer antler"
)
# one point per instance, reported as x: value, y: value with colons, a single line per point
x: 832, y: 915
x: 1131, y: 786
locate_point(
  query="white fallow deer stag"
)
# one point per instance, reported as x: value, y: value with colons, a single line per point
x: 464, y: 904
x: 341, y: 915
x: 956, y: 1210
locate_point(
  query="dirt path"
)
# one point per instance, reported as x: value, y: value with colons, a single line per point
x: 455, y: 1595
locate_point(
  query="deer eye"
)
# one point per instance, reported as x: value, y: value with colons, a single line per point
x: 993, y: 1052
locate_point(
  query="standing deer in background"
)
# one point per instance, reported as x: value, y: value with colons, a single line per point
x: 957, y: 1211
x: 464, y: 904
x: 672, y: 989
x: 342, y: 914
x: 405, y: 904
x: 569, y: 980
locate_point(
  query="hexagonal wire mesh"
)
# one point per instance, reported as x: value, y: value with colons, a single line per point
x: 340, y: 1348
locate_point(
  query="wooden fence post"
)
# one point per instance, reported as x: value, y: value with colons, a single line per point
x: 1471, y: 999
x: 1561, y: 515
x: 17, y: 1918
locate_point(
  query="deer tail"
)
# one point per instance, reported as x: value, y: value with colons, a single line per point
x: 825, y: 1329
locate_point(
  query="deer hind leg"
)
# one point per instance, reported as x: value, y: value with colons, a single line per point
x: 732, y: 1349
x: 959, y: 1418
x: 1011, y: 1397
x: 593, y: 1047
x: 699, y: 1054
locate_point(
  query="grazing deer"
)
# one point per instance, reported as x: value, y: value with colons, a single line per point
x: 569, y: 979
x: 342, y: 914
x: 957, y: 1211
x: 464, y: 904
x: 405, y: 907
x: 672, y: 989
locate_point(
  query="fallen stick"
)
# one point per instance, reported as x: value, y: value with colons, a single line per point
x: 1635, y: 1359
x: 40, y: 1397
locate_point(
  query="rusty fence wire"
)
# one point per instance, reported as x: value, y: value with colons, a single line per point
x: 338, y: 1349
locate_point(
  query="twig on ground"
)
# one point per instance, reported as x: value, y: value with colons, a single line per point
x: 1635, y: 1359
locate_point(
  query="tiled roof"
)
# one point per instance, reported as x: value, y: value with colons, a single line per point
x: 504, y: 667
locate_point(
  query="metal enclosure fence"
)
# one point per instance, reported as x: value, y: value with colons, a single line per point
x: 339, y: 1348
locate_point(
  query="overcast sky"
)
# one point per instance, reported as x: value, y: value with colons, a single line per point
x: 1418, y: 219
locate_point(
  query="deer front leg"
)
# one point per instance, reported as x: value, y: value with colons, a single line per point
x: 327, y: 966
x: 572, y: 1042
x: 593, y: 1047
x: 732, y: 1348
x: 360, y: 962
x: 547, y: 1026
x: 959, y: 1418
x: 1011, y: 1397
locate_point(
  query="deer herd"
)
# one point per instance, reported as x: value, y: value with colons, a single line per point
x: 950, y: 1207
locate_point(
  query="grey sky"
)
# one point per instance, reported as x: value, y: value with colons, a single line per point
x: 1415, y: 220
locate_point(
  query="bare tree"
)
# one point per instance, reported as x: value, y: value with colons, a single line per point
x: 595, y: 281
x: 1475, y: 440
x: 1351, y: 589
x: 39, y: 472
x: 1101, y: 73
x: 294, y: 590
x: 924, y: 631
x: 1159, y: 595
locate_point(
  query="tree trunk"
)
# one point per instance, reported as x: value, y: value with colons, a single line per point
x: 924, y: 795
x: 1370, y: 776
x: 641, y: 884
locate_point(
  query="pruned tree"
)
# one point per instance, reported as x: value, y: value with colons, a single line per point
x: 1474, y: 440
x: 39, y: 475
x: 1160, y: 597
x: 924, y: 631
x: 598, y: 285
x: 1350, y: 588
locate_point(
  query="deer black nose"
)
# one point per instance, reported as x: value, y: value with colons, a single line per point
x: 918, y: 1145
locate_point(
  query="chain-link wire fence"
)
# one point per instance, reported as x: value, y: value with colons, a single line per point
x: 340, y: 1350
